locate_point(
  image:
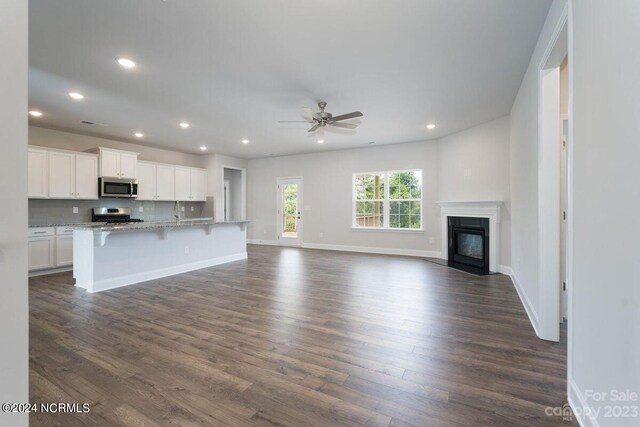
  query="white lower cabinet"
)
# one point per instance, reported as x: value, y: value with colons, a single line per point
x: 50, y: 247
x: 64, y: 251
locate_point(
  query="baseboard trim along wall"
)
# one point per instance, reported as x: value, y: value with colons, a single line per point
x: 581, y: 410
x: 118, y: 282
x: 528, y: 307
x: 373, y: 250
x: 262, y: 242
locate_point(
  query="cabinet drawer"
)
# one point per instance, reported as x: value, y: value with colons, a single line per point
x: 41, y: 231
x: 62, y: 231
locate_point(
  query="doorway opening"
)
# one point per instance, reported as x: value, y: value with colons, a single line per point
x: 289, y: 211
x: 554, y: 186
x: 233, y: 196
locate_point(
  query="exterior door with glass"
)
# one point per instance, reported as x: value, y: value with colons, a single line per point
x: 290, y: 211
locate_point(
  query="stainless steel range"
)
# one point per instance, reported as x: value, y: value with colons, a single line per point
x: 113, y: 216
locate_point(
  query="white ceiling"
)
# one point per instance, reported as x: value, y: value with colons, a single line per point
x: 234, y: 68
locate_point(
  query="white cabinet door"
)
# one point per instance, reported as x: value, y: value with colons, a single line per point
x: 182, y: 184
x: 110, y: 163
x: 146, y: 181
x: 61, y: 175
x: 198, y: 178
x: 41, y: 251
x: 128, y: 165
x: 64, y: 250
x: 164, y: 182
x: 38, y: 174
x: 86, y: 176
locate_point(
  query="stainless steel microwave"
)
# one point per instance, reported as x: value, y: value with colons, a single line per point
x: 114, y: 187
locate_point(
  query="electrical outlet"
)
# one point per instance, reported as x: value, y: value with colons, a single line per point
x: 192, y: 208
x: 321, y: 235
x: 75, y: 209
x: 186, y: 249
x: 468, y: 172
x: 182, y: 208
x: 432, y: 239
x: 140, y: 209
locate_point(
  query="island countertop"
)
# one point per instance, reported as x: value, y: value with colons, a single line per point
x: 155, y: 225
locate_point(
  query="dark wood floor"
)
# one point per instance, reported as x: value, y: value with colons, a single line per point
x: 294, y: 337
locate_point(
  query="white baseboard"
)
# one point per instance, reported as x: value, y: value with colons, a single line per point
x: 50, y: 271
x: 579, y: 405
x: 506, y: 270
x: 373, y: 250
x: 117, y: 282
x: 262, y: 242
x: 528, y: 307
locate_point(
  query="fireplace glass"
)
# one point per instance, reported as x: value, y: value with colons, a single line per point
x: 470, y: 245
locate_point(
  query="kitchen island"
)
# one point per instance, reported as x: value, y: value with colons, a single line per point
x: 111, y: 256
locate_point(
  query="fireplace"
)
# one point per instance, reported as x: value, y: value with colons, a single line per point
x: 469, y: 244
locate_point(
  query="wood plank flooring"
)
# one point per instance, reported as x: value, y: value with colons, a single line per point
x: 294, y: 337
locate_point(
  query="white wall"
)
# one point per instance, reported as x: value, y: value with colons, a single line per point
x: 14, y: 322
x: 76, y: 142
x: 215, y: 164
x: 473, y: 165
x: 524, y: 172
x: 327, y: 187
x: 605, y: 317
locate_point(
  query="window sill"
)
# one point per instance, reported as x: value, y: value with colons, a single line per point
x: 389, y: 230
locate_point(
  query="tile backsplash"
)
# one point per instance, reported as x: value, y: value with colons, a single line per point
x: 51, y: 211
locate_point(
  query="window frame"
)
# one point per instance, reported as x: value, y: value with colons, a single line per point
x: 386, y: 202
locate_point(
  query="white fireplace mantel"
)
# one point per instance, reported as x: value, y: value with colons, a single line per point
x: 479, y: 209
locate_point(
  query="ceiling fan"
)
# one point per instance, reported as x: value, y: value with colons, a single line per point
x: 322, y: 118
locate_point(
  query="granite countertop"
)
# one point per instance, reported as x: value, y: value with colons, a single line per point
x: 154, y: 225
x: 67, y: 224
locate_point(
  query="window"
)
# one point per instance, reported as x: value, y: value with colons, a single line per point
x: 388, y: 200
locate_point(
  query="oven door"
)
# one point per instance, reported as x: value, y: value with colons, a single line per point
x: 118, y: 188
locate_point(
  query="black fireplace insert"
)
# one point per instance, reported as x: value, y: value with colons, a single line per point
x: 469, y: 244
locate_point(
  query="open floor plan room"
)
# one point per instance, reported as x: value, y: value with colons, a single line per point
x: 319, y: 213
x: 295, y: 337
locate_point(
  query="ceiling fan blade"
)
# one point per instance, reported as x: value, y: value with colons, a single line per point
x: 314, y: 128
x: 345, y: 125
x: 295, y: 121
x: 312, y: 113
x: 347, y: 116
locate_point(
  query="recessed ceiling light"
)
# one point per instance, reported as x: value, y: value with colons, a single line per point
x: 245, y: 141
x: 139, y: 134
x: 431, y: 126
x: 203, y: 148
x: 184, y: 125
x: 371, y: 142
x: 76, y: 95
x: 321, y: 141
x: 126, y: 62
x: 35, y: 113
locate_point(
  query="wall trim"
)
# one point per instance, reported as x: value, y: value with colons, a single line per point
x: 373, y: 250
x: 528, y: 307
x: 578, y: 404
x: 263, y: 242
x: 103, y: 285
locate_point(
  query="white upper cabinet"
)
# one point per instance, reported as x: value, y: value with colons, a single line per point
x: 146, y: 181
x: 182, y: 183
x: 118, y: 164
x: 38, y: 174
x: 164, y: 182
x: 86, y: 176
x: 109, y: 163
x: 128, y: 165
x: 61, y: 175
x: 198, y: 184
